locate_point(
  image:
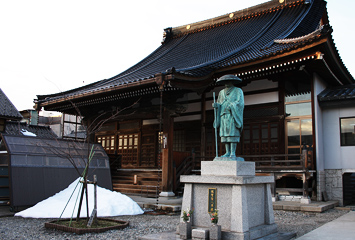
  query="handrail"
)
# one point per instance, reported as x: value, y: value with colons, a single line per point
x: 185, y: 168
x: 302, y: 161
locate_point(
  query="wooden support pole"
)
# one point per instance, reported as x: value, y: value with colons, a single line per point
x: 167, y: 153
x: 305, y: 185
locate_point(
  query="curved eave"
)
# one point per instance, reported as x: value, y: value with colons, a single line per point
x: 55, y: 103
x: 333, y: 58
x: 328, y: 62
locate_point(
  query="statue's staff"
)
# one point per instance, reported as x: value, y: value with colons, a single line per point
x: 215, y: 127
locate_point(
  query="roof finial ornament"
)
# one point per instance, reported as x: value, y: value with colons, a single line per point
x: 166, y: 35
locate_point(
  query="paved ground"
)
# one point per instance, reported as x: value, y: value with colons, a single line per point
x: 174, y: 204
x: 341, y: 228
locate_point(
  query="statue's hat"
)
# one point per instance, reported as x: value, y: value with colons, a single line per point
x: 229, y: 77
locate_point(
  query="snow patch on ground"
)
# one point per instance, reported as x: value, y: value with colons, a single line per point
x: 109, y: 203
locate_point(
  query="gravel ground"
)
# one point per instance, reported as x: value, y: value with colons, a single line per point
x: 140, y: 225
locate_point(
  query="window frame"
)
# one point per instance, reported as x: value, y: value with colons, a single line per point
x: 342, y: 144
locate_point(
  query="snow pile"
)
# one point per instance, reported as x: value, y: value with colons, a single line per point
x: 109, y: 204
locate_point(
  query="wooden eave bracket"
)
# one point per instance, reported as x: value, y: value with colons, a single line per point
x: 198, y: 84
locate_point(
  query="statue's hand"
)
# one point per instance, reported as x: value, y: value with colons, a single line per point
x: 215, y: 105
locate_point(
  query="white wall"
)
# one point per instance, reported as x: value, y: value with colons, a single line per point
x: 335, y: 155
x: 319, y: 86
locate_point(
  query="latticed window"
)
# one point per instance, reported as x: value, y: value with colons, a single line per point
x: 128, y: 148
x: 260, y: 138
x: 179, y: 141
x: 299, y: 130
x: 73, y: 128
x: 108, y: 143
x: 148, y: 151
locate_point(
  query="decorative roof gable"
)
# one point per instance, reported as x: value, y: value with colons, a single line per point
x: 7, y: 109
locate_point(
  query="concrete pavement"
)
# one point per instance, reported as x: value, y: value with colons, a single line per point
x: 341, y: 228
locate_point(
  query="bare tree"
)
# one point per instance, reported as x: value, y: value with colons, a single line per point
x: 75, y: 146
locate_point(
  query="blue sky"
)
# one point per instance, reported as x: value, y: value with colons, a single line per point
x: 48, y: 46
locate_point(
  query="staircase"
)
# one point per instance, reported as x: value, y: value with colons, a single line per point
x: 189, y: 166
x: 143, y: 182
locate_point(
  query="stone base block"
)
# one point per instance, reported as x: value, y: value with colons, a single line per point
x: 227, y: 168
x: 305, y: 200
x: 185, y: 230
x: 198, y: 234
x: 215, y: 232
x: 254, y: 233
x: 167, y: 194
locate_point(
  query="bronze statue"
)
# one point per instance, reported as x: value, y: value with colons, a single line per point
x: 229, y: 115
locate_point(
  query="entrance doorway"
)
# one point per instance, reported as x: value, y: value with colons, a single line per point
x: 349, y: 189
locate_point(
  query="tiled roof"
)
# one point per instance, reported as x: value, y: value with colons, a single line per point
x: 340, y: 93
x: 7, y: 109
x: 23, y: 129
x: 244, y: 37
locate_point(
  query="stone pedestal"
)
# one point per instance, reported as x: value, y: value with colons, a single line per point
x: 215, y: 232
x: 185, y: 230
x: 243, y: 200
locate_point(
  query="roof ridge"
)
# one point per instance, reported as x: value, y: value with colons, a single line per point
x: 317, y: 32
x: 243, y: 46
x: 232, y: 17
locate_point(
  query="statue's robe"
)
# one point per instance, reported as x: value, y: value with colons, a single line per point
x: 230, y: 114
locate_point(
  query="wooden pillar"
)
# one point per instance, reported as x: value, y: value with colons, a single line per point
x: 167, y: 155
x: 282, y: 132
x: 305, y: 185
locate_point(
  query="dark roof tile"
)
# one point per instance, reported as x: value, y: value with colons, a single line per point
x: 338, y: 96
x: 20, y: 129
x: 202, y: 51
x: 7, y: 109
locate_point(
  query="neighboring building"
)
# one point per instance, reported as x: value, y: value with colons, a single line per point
x: 54, y: 122
x: 8, y: 111
x: 30, y: 116
x: 154, y: 114
x: 337, y: 123
x: 63, y: 125
x: 35, y: 164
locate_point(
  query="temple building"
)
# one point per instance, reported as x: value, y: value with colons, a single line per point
x: 155, y: 120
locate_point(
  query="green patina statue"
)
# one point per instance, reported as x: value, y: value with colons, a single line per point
x: 229, y: 115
